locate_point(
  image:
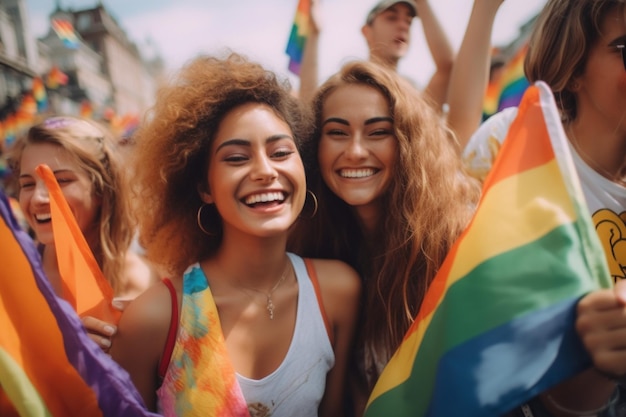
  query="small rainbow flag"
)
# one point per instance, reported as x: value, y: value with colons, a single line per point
x: 39, y: 92
x: 86, y: 109
x: 48, y: 364
x: 28, y: 106
x: 65, y: 32
x: 496, y: 327
x: 25, y: 115
x: 129, y: 124
x: 55, y: 78
x: 490, y: 101
x: 10, y: 129
x: 508, y: 88
x: 299, y: 33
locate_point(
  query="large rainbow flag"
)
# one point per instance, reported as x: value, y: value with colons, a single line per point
x: 297, y: 37
x: 48, y: 364
x: 497, y: 324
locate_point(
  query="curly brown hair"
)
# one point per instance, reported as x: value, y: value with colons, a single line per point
x: 173, y: 145
x: 428, y: 204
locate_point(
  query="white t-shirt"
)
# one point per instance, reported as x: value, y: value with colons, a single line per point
x: 606, y: 199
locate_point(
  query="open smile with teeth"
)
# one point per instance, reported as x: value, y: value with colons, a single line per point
x: 357, y: 173
x: 265, y: 198
x: 42, y: 218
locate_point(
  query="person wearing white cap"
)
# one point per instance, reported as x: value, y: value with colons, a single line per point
x: 387, y: 31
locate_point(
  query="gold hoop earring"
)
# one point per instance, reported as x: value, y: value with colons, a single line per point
x: 314, y: 202
x: 199, y: 220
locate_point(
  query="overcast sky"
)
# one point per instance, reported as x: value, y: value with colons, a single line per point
x: 180, y: 29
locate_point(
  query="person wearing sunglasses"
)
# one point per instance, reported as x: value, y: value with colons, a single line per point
x: 577, y: 48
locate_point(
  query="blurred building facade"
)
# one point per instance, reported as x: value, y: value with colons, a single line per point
x: 99, y: 71
x: 18, y: 52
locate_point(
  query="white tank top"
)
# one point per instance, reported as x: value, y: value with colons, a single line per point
x: 297, y: 386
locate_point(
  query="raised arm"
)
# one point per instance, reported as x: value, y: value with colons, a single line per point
x: 470, y: 73
x: 309, y: 66
x: 441, y: 52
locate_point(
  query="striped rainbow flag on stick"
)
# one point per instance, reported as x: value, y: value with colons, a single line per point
x: 48, y: 364
x: 299, y: 33
x: 497, y: 324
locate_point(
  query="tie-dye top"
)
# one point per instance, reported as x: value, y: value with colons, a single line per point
x: 200, y: 380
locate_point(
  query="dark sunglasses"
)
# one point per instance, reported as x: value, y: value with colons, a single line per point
x: 622, y: 48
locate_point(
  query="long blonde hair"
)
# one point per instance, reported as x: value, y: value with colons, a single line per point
x: 93, y: 148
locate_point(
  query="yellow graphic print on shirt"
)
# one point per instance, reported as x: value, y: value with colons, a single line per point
x: 611, y: 228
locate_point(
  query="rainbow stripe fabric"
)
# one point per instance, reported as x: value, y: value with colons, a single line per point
x: 55, y: 78
x: 39, y: 92
x: 299, y: 33
x: 10, y: 129
x: 48, y: 364
x: 65, y: 32
x: 497, y: 324
x: 508, y: 88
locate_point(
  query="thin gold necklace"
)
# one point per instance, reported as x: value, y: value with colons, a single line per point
x: 268, y: 295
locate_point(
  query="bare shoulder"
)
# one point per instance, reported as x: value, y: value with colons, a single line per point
x: 137, y: 275
x: 148, y: 315
x: 337, y: 277
x: 141, y: 338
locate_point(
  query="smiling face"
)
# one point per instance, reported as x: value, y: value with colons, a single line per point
x: 389, y: 34
x: 74, y: 182
x: 357, y: 148
x: 256, y: 176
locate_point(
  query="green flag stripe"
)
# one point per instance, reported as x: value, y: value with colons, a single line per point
x: 20, y: 390
x: 546, y: 266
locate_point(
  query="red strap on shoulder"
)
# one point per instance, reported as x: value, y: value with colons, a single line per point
x: 318, y: 292
x: 171, y: 334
